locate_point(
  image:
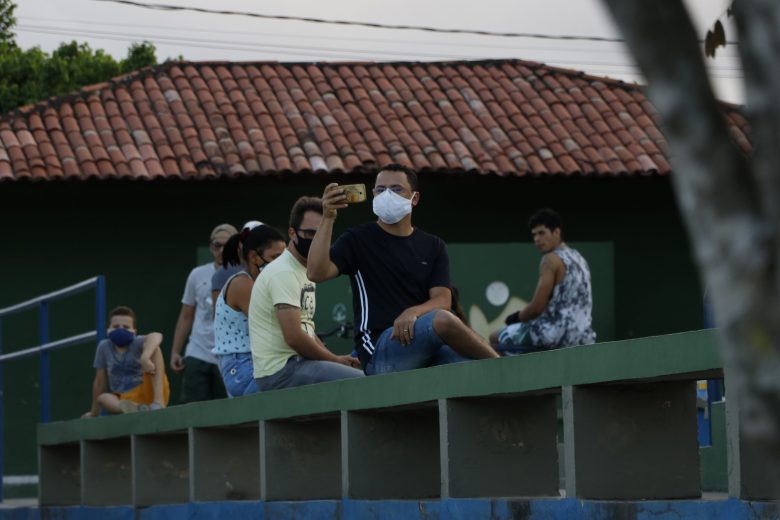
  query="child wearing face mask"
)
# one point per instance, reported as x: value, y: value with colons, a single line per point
x: 261, y: 245
x: 129, y: 369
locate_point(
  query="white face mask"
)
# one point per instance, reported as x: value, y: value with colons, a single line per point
x: 391, y: 207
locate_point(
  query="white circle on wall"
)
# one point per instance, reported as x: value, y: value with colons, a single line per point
x: 497, y: 293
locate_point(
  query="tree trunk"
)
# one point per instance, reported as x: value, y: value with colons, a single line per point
x: 729, y: 202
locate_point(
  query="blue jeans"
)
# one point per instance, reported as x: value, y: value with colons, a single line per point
x: 426, y: 350
x: 237, y: 373
x: 299, y: 371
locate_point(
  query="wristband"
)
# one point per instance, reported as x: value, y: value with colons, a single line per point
x: 512, y: 319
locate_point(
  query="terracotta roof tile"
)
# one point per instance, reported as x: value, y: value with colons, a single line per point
x: 196, y: 120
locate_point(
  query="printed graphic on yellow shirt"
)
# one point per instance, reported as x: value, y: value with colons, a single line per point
x: 307, y: 308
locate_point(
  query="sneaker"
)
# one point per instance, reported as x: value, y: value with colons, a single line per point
x: 143, y: 407
x: 155, y: 406
x: 128, y: 406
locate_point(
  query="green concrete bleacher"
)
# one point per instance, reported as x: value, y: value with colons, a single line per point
x: 645, y: 358
x: 476, y: 429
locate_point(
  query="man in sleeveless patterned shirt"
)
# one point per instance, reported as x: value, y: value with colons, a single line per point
x: 559, y: 314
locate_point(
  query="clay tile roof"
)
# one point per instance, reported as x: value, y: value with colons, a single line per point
x: 200, y: 120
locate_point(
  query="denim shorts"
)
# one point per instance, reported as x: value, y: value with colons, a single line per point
x: 237, y: 372
x: 426, y: 349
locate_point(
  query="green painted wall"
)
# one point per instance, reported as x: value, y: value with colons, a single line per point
x: 143, y: 237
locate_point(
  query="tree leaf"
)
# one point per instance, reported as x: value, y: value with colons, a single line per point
x: 720, y: 35
x: 714, y: 39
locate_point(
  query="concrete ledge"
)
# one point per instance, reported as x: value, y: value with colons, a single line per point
x: 224, y: 463
x: 161, y: 469
x: 471, y: 430
x: 392, y: 452
x: 689, y: 355
x: 59, y: 470
x: 301, y: 458
x: 106, y: 478
x: 631, y: 441
x: 499, y: 446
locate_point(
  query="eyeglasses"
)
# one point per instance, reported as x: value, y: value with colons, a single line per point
x: 217, y: 246
x: 306, y: 233
x: 394, y: 188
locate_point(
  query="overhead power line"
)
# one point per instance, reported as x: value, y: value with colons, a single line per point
x: 170, y: 41
x: 605, y: 67
x: 231, y: 44
x: 298, y: 36
x: 168, y: 7
x: 434, y: 43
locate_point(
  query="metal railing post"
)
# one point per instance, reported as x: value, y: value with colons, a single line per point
x: 42, y: 302
x: 43, y: 328
x: 100, y: 308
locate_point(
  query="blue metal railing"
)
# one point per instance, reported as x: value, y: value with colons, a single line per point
x: 45, y: 346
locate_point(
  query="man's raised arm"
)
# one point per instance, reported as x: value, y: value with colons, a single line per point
x: 319, y: 266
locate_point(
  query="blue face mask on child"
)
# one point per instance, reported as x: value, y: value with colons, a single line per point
x: 121, y: 337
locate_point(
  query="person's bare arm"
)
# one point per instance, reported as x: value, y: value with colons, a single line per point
x: 159, y: 377
x: 214, y: 296
x: 98, y: 387
x: 548, y: 269
x: 152, y: 342
x: 306, y: 346
x: 403, y: 326
x: 180, y: 335
x: 319, y: 266
x: 239, y: 293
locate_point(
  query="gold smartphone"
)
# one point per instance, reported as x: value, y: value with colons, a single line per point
x: 354, y: 192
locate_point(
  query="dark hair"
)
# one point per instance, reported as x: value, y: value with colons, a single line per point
x: 121, y: 311
x: 230, y: 251
x: 411, y: 176
x: 301, y: 206
x: 547, y: 218
x: 259, y: 238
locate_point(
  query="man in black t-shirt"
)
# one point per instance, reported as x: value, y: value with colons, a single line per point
x: 400, y: 281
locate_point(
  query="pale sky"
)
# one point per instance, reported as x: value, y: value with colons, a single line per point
x: 199, y: 36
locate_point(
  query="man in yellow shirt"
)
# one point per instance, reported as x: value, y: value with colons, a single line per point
x: 285, y: 349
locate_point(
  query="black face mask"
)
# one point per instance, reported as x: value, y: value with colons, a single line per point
x: 263, y: 265
x: 303, y: 245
